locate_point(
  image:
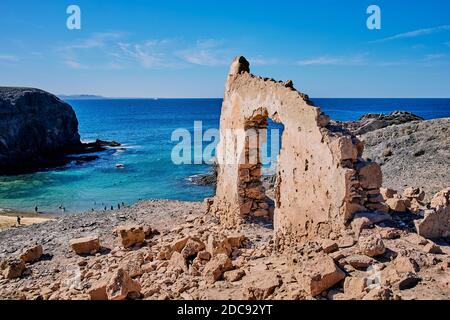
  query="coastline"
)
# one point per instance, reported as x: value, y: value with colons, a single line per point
x: 8, y: 218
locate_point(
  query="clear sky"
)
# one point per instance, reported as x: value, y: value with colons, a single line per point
x: 170, y: 48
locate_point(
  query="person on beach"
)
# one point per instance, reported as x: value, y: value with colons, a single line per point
x: 36, y: 209
x: 112, y: 208
x: 118, y: 206
x: 18, y: 220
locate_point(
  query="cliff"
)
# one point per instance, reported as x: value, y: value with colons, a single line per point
x: 36, y: 128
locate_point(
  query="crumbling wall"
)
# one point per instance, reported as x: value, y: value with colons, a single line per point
x: 322, y: 180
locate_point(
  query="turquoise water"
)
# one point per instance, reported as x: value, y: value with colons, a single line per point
x: 144, y: 127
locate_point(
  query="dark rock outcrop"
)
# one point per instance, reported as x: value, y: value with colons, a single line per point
x: 374, y: 121
x: 38, y: 130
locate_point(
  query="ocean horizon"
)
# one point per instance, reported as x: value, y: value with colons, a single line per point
x: 144, y: 128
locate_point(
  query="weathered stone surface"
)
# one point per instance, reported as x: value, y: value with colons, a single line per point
x: 32, y: 254
x: 320, y: 273
x: 354, y: 287
x: 177, y: 261
x: 436, y: 222
x: 215, y: 268
x: 234, y: 275
x: 397, y: 204
x: 87, y: 245
x: 13, y: 268
x: 261, y: 286
x: 98, y: 291
x: 414, y: 193
x: 325, y: 173
x: 371, y: 245
x: 120, y: 285
x: 33, y: 124
x: 329, y: 246
x: 387, y: 193
x: 130, y: 235
x: 192, y: 247
x: 359, y: 261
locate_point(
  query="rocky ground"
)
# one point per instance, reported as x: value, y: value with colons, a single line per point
x: 172, y: 250
x: 412, y: 154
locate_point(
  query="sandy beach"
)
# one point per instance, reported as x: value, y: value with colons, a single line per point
x: 8, y: 218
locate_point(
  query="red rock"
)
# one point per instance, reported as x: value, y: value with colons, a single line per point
x: 320, y: 274
x: 261, y: 285
x: 32, y: 254
x: 131, y: 235
x: 120, y: 285
x: 215, y: 268
x: 87, y: 245
x: 371, y: 245
x: 13, y: 268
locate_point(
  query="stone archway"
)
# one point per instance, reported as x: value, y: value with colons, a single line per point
x: 322, y: 180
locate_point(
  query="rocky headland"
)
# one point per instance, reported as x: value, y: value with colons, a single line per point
x: 38, y: 130
x: 336, y: 232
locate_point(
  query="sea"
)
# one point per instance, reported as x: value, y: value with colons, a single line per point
x: 142, y: 168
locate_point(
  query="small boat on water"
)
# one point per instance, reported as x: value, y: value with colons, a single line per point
x: 120, y: 166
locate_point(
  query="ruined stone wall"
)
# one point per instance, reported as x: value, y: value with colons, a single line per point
x: 322, y: 180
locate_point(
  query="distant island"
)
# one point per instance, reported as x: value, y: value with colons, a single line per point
x: 80, y: 96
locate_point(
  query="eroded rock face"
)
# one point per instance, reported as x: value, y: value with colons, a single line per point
x: 33, y: 124
x: 322, y: 181
x: 436, y: 222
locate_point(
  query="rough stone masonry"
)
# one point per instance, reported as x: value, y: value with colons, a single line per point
x: 322, y: 180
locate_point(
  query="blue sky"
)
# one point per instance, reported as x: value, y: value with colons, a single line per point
x: 171, y: 48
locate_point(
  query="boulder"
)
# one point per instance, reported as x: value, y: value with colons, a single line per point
x: 120, y: 285
x: 234, y: 275
x: 218, y: 244
x: 32, y: 254
x: 87, y: 245
x: 387, y: 193
x: 354, y: 287
x: 329, y: 246
x: 178, y: 262
x: 397, y: 204
x: 359, y: 261
x: 436, y: 222
x: 371, y: 245
x: 130, y: 235
x: 215, y: 268
x: 261, y: 285
x: 35, y: 126
x: 370, y: 176
x: 414, y: 193
x: 13, y: 268
x: 320, y: 274
x: 98, y: 291
x: 192, y: 248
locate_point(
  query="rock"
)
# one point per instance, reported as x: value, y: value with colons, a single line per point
x: 320, y: 274
x: 234, y: 275
x: 192, y: 248
x: 359, y: 261
x: 436, y: 222
x: 346, y: 242
x: 354, y: 287
x: 87, y: 245
x: 358, y: 224
x: 389, y: 233
x: 387, y: 193
x: 218, y: 244
x: 432, y: 248
x: 416, y: 239
x: 329, y: 246
x: 379, y: 294
x: 215, y: 268
x: 32, y: 254
x: 236, y: 240
x: 13, y: 268
x: 98, y: 291
x: 371, y: 245
x: 261, y: 286
x: 204, y: 255
x: 414, y: 193
x: 178, y: 261
x: 370, y: 176
x: 35, y: 125
x: 130, y: 235
x: 405, y: 264
x: 397, y: 205
x: 120, y: 285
